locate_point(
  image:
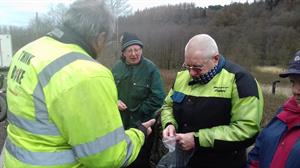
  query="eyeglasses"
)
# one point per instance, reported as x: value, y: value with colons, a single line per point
x: 195, y: 68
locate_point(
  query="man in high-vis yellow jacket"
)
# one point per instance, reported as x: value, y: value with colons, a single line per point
x: 62, y: 104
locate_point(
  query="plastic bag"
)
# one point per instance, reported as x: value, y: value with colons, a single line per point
x: 175, y: 158
x: 169, y: 143
x: 167, y: 161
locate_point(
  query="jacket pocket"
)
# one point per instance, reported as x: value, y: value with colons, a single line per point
x: 140, y: 90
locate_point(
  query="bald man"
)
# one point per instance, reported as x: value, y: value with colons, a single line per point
x: 214, y: 108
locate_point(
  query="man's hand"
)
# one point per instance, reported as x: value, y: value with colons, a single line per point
x: 169, y: 131
x: 186, y: 141
x: 148, y: 124
x: 121, y: 105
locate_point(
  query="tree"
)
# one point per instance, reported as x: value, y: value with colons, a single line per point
x: 119, y: 7
x: 56, y: 13
x: 272, y: 3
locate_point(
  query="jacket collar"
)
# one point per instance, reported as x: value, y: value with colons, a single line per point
x: 291, y: 105
x: 205, y: 78
x: 68, y: 36
x: 291, y: 113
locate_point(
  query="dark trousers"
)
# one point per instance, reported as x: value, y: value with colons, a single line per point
x: 217, y: 159
x: 143, y: 159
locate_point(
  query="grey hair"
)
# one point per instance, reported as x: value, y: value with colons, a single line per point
x: 204, y: 43
x: 88, y: 18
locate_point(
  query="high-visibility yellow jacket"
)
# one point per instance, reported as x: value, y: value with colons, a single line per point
x: 63, y: 111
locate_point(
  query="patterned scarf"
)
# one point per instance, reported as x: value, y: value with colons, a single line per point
x: 205, y: 78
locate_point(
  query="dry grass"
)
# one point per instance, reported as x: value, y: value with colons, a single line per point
x: 273, y: 101
x: 265, y: 76
x: 269, y: 69
x: 271, y: 105
x: 168, y: 77
x: 282, y: 90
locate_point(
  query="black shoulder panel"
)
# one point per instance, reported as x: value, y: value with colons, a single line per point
x: 245, y: 82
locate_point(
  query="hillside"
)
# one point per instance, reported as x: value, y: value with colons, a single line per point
x: 246, y: 33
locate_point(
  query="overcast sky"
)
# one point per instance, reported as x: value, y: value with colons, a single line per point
x: 19, y: 12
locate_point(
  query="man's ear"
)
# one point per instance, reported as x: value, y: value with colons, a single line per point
x: 101, y: 39
x: 216, y: 58
x: 99, y: 43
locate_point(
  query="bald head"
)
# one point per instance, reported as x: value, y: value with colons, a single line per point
x: 201, y: 53
x: 202, y: 44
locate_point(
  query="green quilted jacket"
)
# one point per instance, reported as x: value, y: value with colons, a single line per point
x: 140, y: 87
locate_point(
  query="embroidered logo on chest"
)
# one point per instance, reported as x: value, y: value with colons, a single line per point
x: 220, y: 89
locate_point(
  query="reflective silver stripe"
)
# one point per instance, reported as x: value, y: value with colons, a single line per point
x: 100, y: 144
x: 42, y: 125
x: 40, y: 158
x: 32, y: 126
x: 129, y: 151
x: 46, y: 74
x: 41, y: 111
